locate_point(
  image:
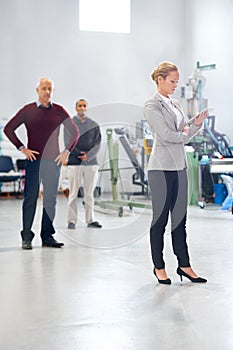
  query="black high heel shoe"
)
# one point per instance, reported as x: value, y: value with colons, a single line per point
x: 167, y: 281
x: 181, y: 273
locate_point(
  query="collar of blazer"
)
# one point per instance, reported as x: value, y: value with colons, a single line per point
x: 169, y: 109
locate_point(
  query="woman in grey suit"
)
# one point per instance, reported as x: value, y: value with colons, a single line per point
x: 167, y: 171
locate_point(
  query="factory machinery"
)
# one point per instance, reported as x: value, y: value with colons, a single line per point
x: 138, y: 178
x: 210, y: 157
x: 210, y: 146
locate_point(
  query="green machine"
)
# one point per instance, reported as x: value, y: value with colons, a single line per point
x: 116, y: 204
x: 194, y: 186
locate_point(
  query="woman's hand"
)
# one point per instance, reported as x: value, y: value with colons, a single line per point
x: 186, y: 129
x: 198, y: 120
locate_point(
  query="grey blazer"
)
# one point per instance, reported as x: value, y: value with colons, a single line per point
x: 168, y: 152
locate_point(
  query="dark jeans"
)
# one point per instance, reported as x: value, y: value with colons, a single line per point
x: 47, y: 172
x: 169, y: 194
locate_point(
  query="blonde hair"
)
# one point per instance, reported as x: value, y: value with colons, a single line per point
x: 163, y: 70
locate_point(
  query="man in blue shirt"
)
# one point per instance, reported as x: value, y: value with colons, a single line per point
x: 83, y: 165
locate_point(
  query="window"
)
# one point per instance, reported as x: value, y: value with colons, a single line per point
x: 104, y: 16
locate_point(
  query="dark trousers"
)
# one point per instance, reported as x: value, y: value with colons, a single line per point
x: 47, y: 172
x: 169, y: 194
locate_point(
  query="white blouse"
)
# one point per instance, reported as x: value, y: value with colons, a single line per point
x: 179, y: 115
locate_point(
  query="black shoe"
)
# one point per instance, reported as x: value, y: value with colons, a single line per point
x: 27, y: 237
x: 52, y: 243
x: 71, y: 226
x: 94, y: 224
x: 181, y: 273
x: 27, y: 245
x: 167, y: 281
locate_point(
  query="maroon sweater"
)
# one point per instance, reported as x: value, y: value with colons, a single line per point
x: 43, y: 126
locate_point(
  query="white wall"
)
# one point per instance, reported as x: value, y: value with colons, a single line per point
x: 112, y: 71
x: 41, y: 38
x: 208, y: 39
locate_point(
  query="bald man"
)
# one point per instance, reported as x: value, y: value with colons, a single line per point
x: 42, y: 120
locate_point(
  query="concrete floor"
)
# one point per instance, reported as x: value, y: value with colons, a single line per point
x: 98, y: 292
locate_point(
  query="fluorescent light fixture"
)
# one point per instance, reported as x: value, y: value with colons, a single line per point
x: 104, y: 16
